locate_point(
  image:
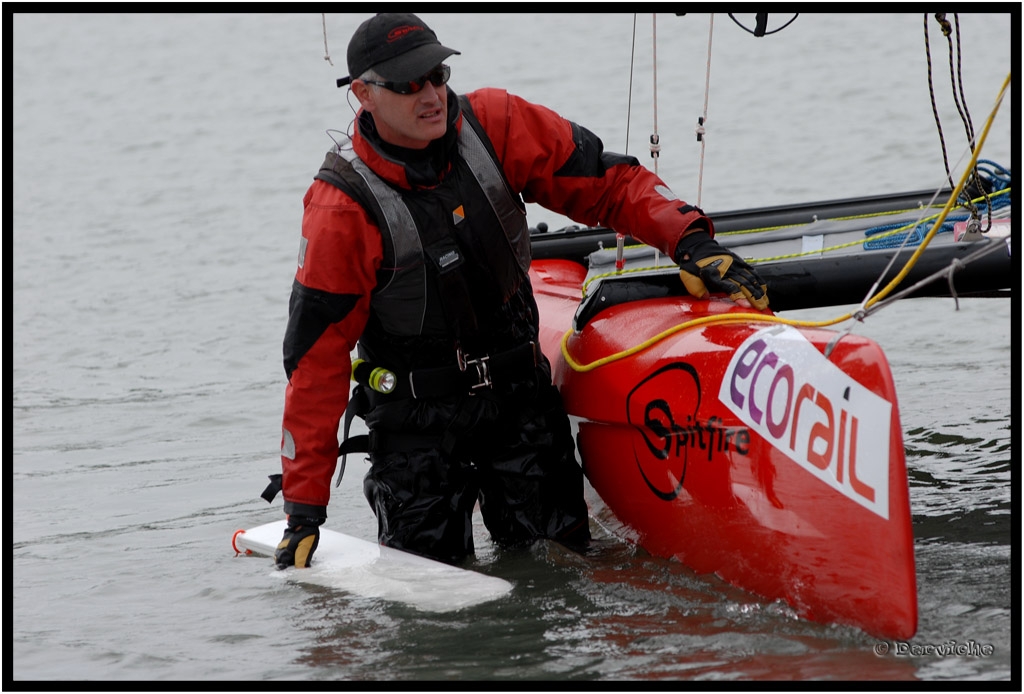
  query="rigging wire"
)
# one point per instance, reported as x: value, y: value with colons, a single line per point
x: 703, y: 119
x: 960, y: 101
x: 620, y: 239
x: 629, y: 95
x: 655, y: 146
x: 655, y: 136
x: 947, y: 272
x: 972, y: 178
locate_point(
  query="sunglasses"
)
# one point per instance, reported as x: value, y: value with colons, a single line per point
x: 436, y: 77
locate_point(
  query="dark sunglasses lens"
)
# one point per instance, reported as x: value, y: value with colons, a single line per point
x: 436, y: 77
x: 439, y: 76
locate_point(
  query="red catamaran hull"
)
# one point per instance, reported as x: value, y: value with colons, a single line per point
x: 741, y: 451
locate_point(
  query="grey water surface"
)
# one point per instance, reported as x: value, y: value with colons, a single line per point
x: 159, y: 164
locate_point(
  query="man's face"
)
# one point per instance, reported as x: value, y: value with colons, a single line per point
x: 407, y: 120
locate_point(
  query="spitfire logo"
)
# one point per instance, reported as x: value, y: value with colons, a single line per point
x: 663, y: 409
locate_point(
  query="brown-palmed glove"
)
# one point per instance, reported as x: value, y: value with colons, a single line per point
x: 706, y: 266
x: 300, y: 540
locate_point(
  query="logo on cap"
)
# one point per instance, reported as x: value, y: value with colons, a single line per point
x: 399, y: 32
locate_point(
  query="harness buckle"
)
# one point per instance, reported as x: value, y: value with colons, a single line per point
x: 481, y: 365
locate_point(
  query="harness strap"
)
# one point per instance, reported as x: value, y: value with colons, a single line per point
x: 402, y: 442
x: 398, y: 299
x: 468, y: 376
x: 358, y: 404
x: 273, y: 488
x: 472, y: 374
x: 483, y: 162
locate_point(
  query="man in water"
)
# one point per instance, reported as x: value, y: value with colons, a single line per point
x: 415, y: 250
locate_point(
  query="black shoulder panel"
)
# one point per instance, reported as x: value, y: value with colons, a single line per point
x: 589, y: 160
x: 310, y: 313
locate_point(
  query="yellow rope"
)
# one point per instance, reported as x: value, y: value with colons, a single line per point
x: 868, y: 215
x: 949, y: 203
x: 829, y: 249
x: 757, y: 317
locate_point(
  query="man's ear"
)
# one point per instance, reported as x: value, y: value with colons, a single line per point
x: 365, y: 95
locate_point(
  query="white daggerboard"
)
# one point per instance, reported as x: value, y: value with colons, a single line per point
x: 369, y: 570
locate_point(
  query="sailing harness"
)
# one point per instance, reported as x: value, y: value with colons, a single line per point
x: 467, y: 377
x: 400, y: 303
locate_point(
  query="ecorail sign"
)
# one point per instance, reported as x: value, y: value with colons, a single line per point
x: 783, y: 388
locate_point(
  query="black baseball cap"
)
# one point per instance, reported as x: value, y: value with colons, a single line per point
x: 399, y: 47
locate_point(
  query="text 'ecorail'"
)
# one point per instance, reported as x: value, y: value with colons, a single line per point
x: 783, y: 388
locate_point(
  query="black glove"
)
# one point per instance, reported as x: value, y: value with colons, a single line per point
x: 299, y: 542
x: 706, y: 266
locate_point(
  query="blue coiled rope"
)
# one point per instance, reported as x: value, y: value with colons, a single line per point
x: 997, y: 176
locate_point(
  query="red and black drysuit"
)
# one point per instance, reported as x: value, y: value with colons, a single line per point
x: 452, y: 288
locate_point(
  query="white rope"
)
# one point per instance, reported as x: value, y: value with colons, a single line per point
x: 702, y: 121
x: 620, y: 239
x: 327, y: 53
x: 655, y: 137
x: 629, y: 95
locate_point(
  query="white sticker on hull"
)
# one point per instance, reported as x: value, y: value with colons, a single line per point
x: 783, y: 388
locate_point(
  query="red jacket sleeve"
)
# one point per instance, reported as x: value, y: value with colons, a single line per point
x: 563, y: 167
x: 340, y: 252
